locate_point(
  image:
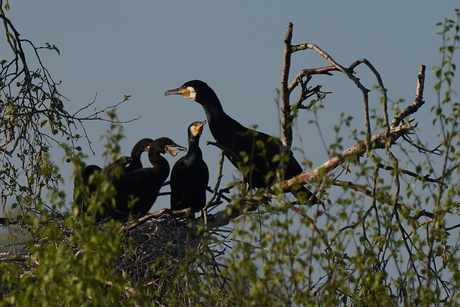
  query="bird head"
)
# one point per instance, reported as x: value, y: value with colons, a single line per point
x: 165, y: 145
x: 196, y: 90
x: 140, y: 146
x: 196, y: 128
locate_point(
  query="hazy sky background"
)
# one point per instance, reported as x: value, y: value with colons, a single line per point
x: 142, y: 48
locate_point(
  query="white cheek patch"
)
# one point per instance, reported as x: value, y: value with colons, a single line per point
x: 192, y: 93
x: 194, y: 131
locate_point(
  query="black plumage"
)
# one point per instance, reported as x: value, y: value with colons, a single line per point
x: 190, y: 174
x: 125, y: 164
x: 255, y: 154
x: 137, y: 191
x: 136, y: 153
x: 113, y: 172
x: 88, y: 186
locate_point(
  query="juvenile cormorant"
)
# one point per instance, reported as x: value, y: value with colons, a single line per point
x: 138, y: 190
x: 128, y: 164
x: 255, y: 153
x: 136, y: 153
x: 90, y: 186
x: 190, y: 175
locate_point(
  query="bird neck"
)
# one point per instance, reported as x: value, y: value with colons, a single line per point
x: 194, y: 149
x: 135, y: 163
x: 218, y: 120
x: 212, y: 106
x: 159, y: 163
x: 136, y: 158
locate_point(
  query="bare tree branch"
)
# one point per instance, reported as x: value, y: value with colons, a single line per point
x: 418, y: 102
x: 379, y: 140
x: 286, y: 117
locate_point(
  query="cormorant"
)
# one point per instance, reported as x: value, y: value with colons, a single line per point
x: 255, y: 154
x: 126, y: 164
x: 89, y: 186
x: 138, y: 190
x: 136, y: 153
x: 190, y: 175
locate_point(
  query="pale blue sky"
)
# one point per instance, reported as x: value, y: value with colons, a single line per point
x: 142, y: 48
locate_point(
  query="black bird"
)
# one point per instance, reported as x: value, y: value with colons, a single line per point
x: 126, y: 164
x: 137, y: 191
x: 190, y: 174
x: 136, y: 153
x: 255, y: 154
x: 88, y: 187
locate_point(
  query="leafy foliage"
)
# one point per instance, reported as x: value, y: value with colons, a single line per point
x: 386, y: 233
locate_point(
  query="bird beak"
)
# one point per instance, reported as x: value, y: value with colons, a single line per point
x: 173, y: 150
x: 179, y: 91
x: 199, y: 127
x: 202, y: 124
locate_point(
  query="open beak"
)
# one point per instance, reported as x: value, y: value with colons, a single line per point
x: 173, y: 150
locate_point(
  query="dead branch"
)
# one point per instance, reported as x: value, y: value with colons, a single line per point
x: 216, y: 192
x: 377, y: 141
x: 307, y: 73
x: 286, y: 116
x: 418, y: 102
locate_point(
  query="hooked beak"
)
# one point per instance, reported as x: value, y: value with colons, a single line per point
x: 199, y: 127
x: 178, y: 91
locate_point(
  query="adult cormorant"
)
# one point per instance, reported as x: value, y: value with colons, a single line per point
x: 255, y: 154
x: 138, y: 190
x: 190, y: 175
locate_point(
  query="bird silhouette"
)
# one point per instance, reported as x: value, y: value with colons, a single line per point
x: 137, y: 190
x: 256, y: 154
x: 190, y: 174
x: 118, y: 174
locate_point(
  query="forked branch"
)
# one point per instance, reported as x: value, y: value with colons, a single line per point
x: 382, y: 140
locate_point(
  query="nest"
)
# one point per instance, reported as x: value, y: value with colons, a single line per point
x: 173, y: 256
x: 161, y: 255
x: 158, y: 244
